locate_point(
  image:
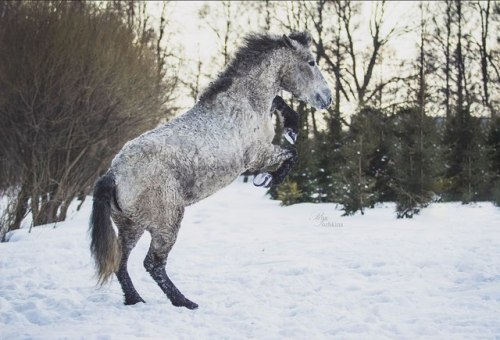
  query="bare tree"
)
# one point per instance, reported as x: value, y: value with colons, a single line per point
x: 484, y: 13
x: 68, y: 104
x: 359, y: 87
x: 448, y: 57
x: 220, y: 18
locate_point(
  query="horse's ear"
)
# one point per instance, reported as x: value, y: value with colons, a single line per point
x: 288, y: 41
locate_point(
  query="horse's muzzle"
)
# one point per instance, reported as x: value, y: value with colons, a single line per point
x: 324, y: 99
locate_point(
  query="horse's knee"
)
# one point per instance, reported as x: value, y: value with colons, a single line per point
x: 161, y: 244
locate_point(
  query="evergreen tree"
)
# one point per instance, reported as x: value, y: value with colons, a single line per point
x: 467, y: 158
x: 416, y: 154
x: 415, y: 151
x: 289, y: 192
x: 494, y: 158
x: 356, y: 192
x: 363, y: 164
x: 329, y: 157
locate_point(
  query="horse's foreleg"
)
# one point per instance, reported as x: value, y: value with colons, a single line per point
x: 275, y: 155
x: 162, y: 241
x: 290, y: 119
x: 129, y: 233
x: 280, y: 174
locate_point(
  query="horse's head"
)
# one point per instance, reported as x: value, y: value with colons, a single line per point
x: 300, y: 73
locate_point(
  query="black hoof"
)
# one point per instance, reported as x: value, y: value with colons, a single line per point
x: 185, y: 303
x: 290, y: 135
x: 134, y: 300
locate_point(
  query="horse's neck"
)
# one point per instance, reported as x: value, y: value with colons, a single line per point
x: 258, y: 88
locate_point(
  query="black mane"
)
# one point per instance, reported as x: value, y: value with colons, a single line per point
x: 247, y: 56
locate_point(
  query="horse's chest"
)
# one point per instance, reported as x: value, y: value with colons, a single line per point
x: 264, y: 130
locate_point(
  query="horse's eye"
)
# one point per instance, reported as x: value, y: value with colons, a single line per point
x: 312, y: 63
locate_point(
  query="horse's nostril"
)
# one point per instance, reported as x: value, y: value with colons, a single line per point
x: 318, y: 98
x: 324, y: 100
x: 328, y: 96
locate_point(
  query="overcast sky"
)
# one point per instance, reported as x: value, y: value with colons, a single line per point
x: 196, y: 40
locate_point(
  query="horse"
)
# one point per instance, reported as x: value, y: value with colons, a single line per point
x: 289, y: 120
x: 229, y: 130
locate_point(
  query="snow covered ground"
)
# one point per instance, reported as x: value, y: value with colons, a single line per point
x: 262, y: 271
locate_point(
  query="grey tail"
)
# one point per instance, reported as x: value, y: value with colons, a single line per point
x: 104, y: 244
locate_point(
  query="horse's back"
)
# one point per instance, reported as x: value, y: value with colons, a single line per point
x: 186, y: 160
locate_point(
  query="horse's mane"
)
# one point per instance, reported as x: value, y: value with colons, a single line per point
x: 249, y: 55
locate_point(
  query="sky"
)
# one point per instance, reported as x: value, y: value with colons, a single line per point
x: 196, y: 41
x: 195, y: 35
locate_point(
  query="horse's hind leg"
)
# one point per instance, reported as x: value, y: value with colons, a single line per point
x: 129, y: 233
x: 162, y: 241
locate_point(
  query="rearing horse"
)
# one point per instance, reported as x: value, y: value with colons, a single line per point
x: 229, y: 130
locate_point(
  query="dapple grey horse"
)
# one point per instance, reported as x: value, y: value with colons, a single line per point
x: 229, y: 130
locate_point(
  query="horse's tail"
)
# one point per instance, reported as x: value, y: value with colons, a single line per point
x: 104, y: 244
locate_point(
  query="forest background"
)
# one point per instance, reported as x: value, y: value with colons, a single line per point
x: 415, y: 117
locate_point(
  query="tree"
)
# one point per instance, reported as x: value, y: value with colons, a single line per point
x: 415, y: 161
x: 76, y: 84
x: 494, y: 158
x: 484, y: 12
x: 464, y: 136
x: 224, y: 19
x: 360, y: 87
x: 415, y: 148
x: 363, y: 170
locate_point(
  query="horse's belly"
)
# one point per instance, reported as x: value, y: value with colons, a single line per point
x: 183, y: 167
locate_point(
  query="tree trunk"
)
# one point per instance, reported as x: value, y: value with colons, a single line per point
x: 313, y: 117
x: 447, y: 56
x: 360, y: 175
x: 421, y: 99
x: 21, y: 207
x: 485, y: 14
x: 459, y: 60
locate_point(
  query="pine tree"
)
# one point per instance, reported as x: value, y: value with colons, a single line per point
x: 289, y: 192
x: 357, y: 191
x: 415, y: 151
x: 494, y: 158
x: 416, y: 155
x: 467, y: 155
x: 360, y: 152
x: 329, y: 157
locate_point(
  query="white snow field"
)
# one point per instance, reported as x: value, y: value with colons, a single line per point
x: 262, y: 271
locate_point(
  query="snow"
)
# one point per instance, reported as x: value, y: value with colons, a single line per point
x: 262, y: 271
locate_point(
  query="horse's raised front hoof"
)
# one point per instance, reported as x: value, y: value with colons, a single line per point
x: 185, y: 303
x: 290, y: 135
x: 133, y: 300
x: 263, y: 180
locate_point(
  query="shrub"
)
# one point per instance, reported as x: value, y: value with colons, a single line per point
x: 289, y: 193
x: 76, y: 84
